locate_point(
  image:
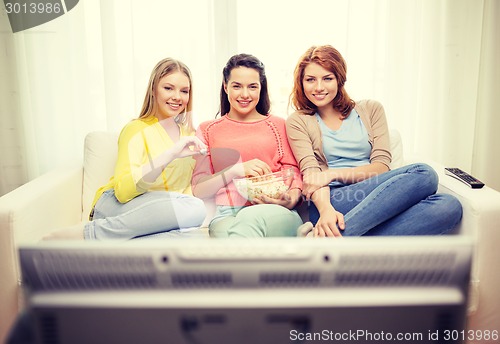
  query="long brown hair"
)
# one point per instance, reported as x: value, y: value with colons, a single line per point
x: 150, y: 107
x: 330, y: 59
x: 248, y: 61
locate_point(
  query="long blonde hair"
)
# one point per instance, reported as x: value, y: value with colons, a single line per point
x: 150, y: 107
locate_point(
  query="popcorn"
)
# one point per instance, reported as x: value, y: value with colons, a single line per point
x: 273, y: 189
x: 272, y: 185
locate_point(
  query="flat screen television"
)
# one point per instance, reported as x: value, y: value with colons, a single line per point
x: 273, y: 290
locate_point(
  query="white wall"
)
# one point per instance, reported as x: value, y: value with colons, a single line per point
x: 486, y: 154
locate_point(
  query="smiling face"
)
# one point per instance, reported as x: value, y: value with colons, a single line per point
x: 320, y: 85
x: 243, y: 91
x: 172, y: 95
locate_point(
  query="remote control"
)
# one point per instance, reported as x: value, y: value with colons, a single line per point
x: 464, y: 177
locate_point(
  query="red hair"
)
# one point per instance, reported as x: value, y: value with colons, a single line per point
x: 330, y: 59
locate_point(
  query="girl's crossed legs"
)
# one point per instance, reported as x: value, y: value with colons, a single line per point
x: 261, y: 220
x: 150, y: 213
x: 399, y: 202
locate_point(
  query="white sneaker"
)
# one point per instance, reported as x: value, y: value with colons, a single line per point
x: 305, y: 230
x: 74, y: 232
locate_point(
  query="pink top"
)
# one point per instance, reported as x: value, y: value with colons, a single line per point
x: 230, y: 141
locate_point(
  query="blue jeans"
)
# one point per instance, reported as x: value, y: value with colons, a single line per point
x: 259, y: 220
x: 398, y: 202
x: 155, y: 213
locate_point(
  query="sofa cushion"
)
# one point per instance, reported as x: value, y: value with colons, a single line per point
x: 100, y: 154
x: 396, y: 149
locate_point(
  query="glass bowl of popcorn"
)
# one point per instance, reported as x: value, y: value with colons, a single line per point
x: 272, y: 185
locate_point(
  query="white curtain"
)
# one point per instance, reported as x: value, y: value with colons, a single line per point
x: 430, y: 62
x: 88, y: 70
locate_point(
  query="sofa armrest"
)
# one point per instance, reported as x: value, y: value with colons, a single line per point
x: 480, y: 221
x: 37, y: 207
x: 26, y: 214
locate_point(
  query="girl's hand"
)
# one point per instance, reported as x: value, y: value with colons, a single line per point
x: 329, y: 223
x: 313, y: 181
x: 288, y: 200
x: 255, y: 167
x: 187, y: 146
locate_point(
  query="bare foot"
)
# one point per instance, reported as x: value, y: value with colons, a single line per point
x: 74, y: 232
x: 305, y: 230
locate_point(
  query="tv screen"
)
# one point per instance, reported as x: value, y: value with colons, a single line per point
x: 282, y: 290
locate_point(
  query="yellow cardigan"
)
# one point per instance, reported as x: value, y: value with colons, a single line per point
x: 141, y: 140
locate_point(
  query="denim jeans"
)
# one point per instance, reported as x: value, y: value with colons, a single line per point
x: 260, y: 220
x: 170, y: 213
x: 399, y: 202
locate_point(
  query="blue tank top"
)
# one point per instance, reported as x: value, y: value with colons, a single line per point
x: 349, y: 145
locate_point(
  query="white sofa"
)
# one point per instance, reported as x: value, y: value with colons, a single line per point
x: 62, y: 197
